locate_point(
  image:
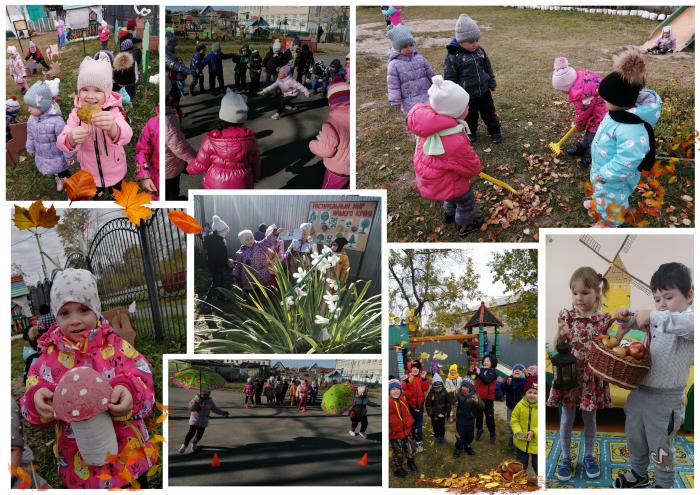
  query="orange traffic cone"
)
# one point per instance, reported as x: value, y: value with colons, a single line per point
x: 303, y: 410
x: 364, y: 460
x: 215, y: 462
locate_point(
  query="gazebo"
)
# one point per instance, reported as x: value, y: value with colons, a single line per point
x: 482, y: 318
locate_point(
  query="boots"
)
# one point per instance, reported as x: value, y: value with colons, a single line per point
x: 412, y: 465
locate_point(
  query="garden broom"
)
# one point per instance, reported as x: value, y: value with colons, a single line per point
x: 556, y: 147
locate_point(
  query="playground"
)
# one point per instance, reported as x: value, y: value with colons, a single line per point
x: 522, y: 44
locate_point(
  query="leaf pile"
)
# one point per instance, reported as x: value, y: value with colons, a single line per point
x: 498, y: 479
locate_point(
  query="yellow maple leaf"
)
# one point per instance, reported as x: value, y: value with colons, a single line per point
x: 153, y: 470
x: 155, y: 439
x: 36, y: 216
x: 133, y: 200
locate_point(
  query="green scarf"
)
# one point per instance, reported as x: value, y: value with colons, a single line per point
x: 433, y: 143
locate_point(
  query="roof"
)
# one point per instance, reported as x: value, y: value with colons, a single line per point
x: 483, y: 317
x: 18, y: 287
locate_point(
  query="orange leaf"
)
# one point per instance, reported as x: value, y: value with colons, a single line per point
x: 162, y: 418
x: 155, y: 439
x: 112, y: 458
x: 36, y: 216
x: 80, y: 186
x: 643, y: 223
x: 184, y: 222
x: 132, y: 200
x: 673, y: 179
x: 104, y: 476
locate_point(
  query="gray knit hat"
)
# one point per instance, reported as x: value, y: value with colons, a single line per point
x: 400, y: 36
x: 216, y: 47
x: 466, y: 29
x: 234, y: 107
x: 75, y: 285
x: 97, y: 73
x: 39, y: 96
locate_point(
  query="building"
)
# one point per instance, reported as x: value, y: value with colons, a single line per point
x: 360, y: 370
x: 19, y: 303
x: 239, y: 362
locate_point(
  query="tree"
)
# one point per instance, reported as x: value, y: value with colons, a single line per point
x: 73, y: 230
x: 517, y: 270
x: 17, y: 270
x: 424, y: 280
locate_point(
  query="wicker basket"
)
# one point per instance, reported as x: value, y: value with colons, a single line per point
x: 612, y: 368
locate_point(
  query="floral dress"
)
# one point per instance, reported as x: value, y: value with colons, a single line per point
x: 581, y: 332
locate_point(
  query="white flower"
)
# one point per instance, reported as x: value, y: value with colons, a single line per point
x: 315, y: 257
x: 333, y: 260
x: 289, y: 300
x: 325, y: 335
x: 300, y: 274
x: 300, y: 292
x: 330, y: 298
x: 320, y: 320
x: 332, y: 283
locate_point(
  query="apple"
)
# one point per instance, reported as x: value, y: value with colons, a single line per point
x: 610, y: 341
x: 620, y: 351
x: 637, y: 350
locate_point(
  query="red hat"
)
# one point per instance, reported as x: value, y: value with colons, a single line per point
x: 530, y: 383
x: 131, y: 25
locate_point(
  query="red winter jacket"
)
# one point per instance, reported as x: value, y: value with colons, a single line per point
x: 415, y: 389
x: 486, y: 381
x: 400, y: 419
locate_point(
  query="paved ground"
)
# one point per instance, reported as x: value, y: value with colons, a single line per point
x: 272, y: 446
x: 284, y: 144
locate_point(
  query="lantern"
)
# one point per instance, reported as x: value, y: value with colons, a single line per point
x: 564, y: 364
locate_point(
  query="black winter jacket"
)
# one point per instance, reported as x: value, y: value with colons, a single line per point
x: 437, y: 402
x: 471, y: 70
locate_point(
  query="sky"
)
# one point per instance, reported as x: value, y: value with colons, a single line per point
x: 180, y: 8
x: 300, y: 363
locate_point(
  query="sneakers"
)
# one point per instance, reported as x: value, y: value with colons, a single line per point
x: 479, y: 434
x: 448, y: 218
x: 401, y: 472
x: 492, y: 439
x: 363, y: 434
x: 412, y: 465
x: 564, y: 470
x: 456, y: 453
x: 631, y: 480
x: 59, y: 183
x: 467, y: 230
x: 352, y: 433
x: 194, y: 447
x: 591, y: 467
x: 276, y: 116
x: 182, y: 448
x: 470, y: 450
x: 419, y: 447
x: 496, y: 138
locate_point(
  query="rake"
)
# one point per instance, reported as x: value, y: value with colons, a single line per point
x: 493, y: 180
x: 556, y: 147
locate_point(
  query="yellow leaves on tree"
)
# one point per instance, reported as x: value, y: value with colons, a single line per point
x: 184, y: 222
x: 36, y: 216
x: 133, y: 200
x: 80, y: 186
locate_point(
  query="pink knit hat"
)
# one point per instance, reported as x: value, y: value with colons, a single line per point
x: 564, y: 76
x: 338, y: 93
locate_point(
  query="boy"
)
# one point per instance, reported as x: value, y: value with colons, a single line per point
x: 655, y: 410
x: 514, y: 391
x: 468, y: 65
x: 523, y: 423
x: 468, y: 403
x: 415, y: 385
x: 437, y: 405
x: 400, y: 425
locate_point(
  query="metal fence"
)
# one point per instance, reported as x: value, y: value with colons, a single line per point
x: 142, y: 267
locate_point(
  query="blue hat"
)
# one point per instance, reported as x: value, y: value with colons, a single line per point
x: 519, y: 366
x: 394, y: 384
x: 400, y: 37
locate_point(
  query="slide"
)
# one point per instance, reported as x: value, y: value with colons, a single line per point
x: 503, y: 369
x: 682, y: 22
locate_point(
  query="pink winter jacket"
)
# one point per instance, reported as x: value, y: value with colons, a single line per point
x: 446, y: 176
x: 590, y: 107
x: 288, y: 86
x: 104, y: 32
x: 201, y: 409
x: 118, y: 362
x: 111, y: 153
x: 148, y: 152
x: 178, y: 152
x: 333, y: 143
x: 230, y: 158
x: 18, y: 72
x: 248, y: 389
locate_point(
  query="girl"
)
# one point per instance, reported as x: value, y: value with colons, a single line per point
x: 302, y: 394
x: 104, y: 33
x: 333, y: 142
x: 269, y: 391
x: 313, y: 393
x: 178, y: 152
x: 523, y: 424
x: 579, y: 327
x: 358, y: 411
x: 452, y: 385
x: 415, y: 385
x: 148, y: 156
x: 486, y: 389
x: 665, y: 43
x: 229, y: 155
x: 45, y: 124
x: 35, y: 54
x: 400, y: 428
x: 201, y: 406
x: 82, y: 337
x: 582, y: 88
x: 392, y: 14
x: 437, y: 405
x: 18, y: 72
x: 409, y: 74
x: 289, y: 88
x: 293, y: 393
x: 97, y: 128
x: 248, y: 390
x: 60, y: 33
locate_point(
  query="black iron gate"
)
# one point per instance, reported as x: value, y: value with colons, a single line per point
x: 143, y: 268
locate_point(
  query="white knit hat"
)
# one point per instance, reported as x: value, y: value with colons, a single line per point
x: 276, y: 46
x: 564, y: 76
x: 75, y: 285
x: 97, y: 73
x: 448, y: 98
x: 218, y: 225
x: 305, y: 227
x: 234, y: 107
x: 466, y: 29
x: 12, y: 50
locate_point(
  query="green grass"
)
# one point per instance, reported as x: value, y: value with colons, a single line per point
x: 522, y: 45
x: 24, y: 182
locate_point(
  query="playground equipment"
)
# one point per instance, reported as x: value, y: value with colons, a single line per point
x: 682, y: 22
x: 556, y: 147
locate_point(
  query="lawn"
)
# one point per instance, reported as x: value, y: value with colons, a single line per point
x: 522, y: 45
x: 24, y: 182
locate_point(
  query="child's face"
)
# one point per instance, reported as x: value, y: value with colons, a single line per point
x: 487, y: 362
x: 281, y: 75
x: 248, y: 240
x: 34, y: 111
x: 75, y: 320
x: 92, y: 95
x: 415, y: 371
x: 517, y: 373
x: 672, y: 300
x: 583, y: 298
x: 531, y: 396
x: 408, y: 49
x: 395, y: 393
x: 470, y: 45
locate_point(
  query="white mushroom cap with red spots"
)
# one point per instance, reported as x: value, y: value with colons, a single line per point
x: 81, y: 394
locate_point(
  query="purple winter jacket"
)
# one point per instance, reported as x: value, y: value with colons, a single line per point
x: 408, y: 79
x: 200, y: 409
x: 42, y: 132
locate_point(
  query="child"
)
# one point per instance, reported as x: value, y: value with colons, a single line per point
x: 255, y: 68
x: 18, y: 72
x: 229, y: 155
x: 437, y: 405
x: 303, y: 62
x: 579, y: 327
x: 178, y: 151
x: 655, y: 410
x: 196, y: 68
x: 123, y: 75
x: 486, y: 389
x: 401, y: 425
x: 408, y: 74
x: 215, y: 62
x: 293, y: 393
x: 452, y: 384
x: 21, y: 456
x: 392, y: 14
x: 347, y: 67
x: 582, y: 88
x: 625, y: 143
x: 468, y: 407
x: 104, y: 34
x: 100, y: 142
x: 201, y: 406
x: 269, y: 391
x: 523, y: 425
x: 44, y: 126
x: 248, y: 390
x: 358, y: 411
x: 333, y: 142
x: 241, y: 68
x: 126, y: 36
x: 444, y: 161
x: 289, y: 88
x: 514, y: 391
x: 313, y: 393
x: 666, y: 43
x: 148, y: 155
x: 82, y: 337
x: 60, y: 33
x: 302, y: 394
x: 35, y: 54
x: 272, y: 62
x: 468, y: 65
x: 318, y: 73
x: 342, y: 268
x: 415, y: 385
x: 177, y: 70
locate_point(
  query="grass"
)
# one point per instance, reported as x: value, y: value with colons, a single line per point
x: 24, y: 182
x: 522, y: 45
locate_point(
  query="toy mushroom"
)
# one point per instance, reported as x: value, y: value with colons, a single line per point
x: 81, y: 398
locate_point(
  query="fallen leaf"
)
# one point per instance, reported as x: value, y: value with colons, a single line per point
x: 487, y: 150
x: 80, y: 186
x: 686, y: 221
x: 686, y: 198
x: 132, y: 200
x: 36, y: 216
x: 184, y: 222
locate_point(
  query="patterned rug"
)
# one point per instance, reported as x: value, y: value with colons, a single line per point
x: 610, y: 451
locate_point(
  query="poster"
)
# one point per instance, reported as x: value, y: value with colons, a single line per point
x: 349, y: 219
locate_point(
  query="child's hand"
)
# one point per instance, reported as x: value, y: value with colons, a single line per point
x: 261, y: 93
x: 121, y: 401
x: 105, y: 120
x: 643, y: 318
x: 149, y: 186
x: 622, y: 314
x: 477, y: 370
x: 424, y: 374
x: 530, y: 435
x: 78, y: 135
x: 43, y: 402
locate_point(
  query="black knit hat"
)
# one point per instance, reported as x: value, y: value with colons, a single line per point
x: 340, y: 242
x: 123, y: 69
x: 622, y: 86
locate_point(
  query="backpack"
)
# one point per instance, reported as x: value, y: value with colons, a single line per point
x: 624, y: 117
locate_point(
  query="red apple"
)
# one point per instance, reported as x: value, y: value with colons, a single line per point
x: 637, y: 350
